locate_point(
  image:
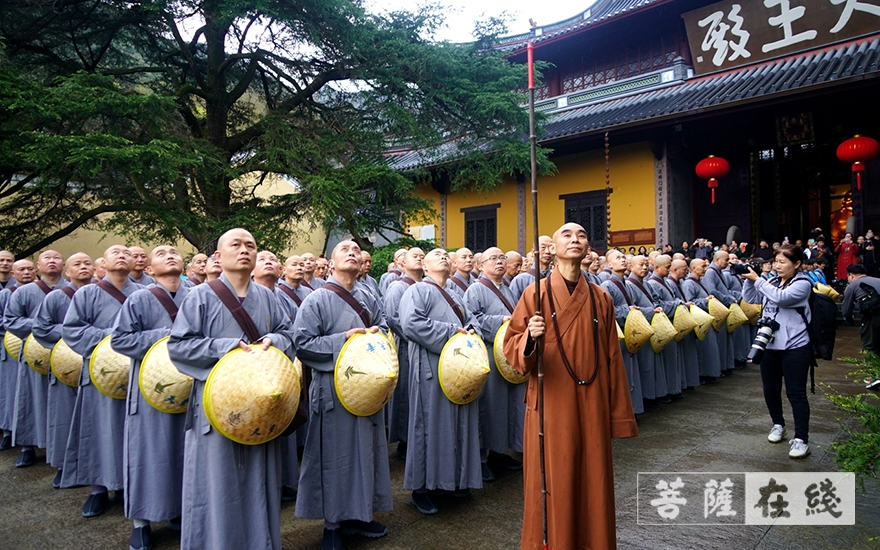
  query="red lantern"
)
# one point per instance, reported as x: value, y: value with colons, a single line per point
x: 857, y: 151
x: 711, y: 169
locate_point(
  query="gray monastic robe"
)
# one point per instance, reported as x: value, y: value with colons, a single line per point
x: 502, y: 404
x: 387, y: 278
x: 398, y: 411
x: 714, y: 282
x: 315, y: 283
x: 302, y: 432
x: 29, y: 413
x: 688, y: 344
x: 93, y: 455
x: 604, y: 274
x: 60, y: 397
x: 630, y: 361
x: 145, y: 279
x: 741, y: 336
x: 651, y: 366
x: 153, y: 448
x: 707, y: 348
x: 673, y: 360
x: 443, y: 443
x: 289, y: 459
x: 345, y: 473
x: 370, y: 284
x: 523, y: 280
x: 455, y: 282
x: 231, y: 492
x: 8, y: 368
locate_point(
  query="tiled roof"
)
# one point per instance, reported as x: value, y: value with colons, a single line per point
x: 857, y: 59
x: 600, y: 12
x: 797, y: 73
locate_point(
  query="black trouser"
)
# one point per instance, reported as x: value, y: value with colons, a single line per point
x: 793, y: 365
x: 869, y: 330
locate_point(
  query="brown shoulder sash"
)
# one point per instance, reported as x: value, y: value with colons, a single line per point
x: 69, y: 290
x: 458, y: 282
x: 622, y: 288
x: 352, y: 302
x: 43, y: 286
x: 458, y: 312
x: 291, y: 294
x: 166, y: 302
x: 111, y: 290
x: 641, y: 287
x: 234, y: 306
x: 491, y: 286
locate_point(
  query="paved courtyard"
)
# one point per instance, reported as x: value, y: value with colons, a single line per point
x: 717, y: 428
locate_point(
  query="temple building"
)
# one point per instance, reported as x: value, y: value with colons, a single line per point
x: 773, y: 87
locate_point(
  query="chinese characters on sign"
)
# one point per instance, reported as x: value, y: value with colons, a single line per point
x: 751, y: 498
x: 731, y: 33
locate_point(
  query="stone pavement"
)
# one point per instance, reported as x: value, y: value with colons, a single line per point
x: 717, y: 428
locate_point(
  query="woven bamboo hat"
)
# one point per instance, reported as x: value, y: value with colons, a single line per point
x: 737, y: 317
x: 827, y: 290
x: 703, y: 321
x: 12, y: 343
x: 36, y: 356
x: 504, y: 367
x: 162, y: 385
x: 752, y: 311
x: 66, y: 364
x: 683, y: 322
x: 251, y: 397
x: 463, y: 368
x: 719, y: 312
x: 620, y: 335
x: 109, y: 370
x: 366, y: 373
x: 637, y: 330
x: 664, y: 332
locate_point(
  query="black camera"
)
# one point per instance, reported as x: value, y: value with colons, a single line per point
x: 743, y: 268
x: 766, y: 328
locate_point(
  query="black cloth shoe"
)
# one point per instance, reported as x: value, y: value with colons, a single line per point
x: 332, y: 539
x: 288, y: 494
x: 675, y: 396
x: 371, y: 530
x: 174, y: 524
x: 141, y: 539
x: 95, y: 505
x: 650, y: 404
x: 423, y: 503
x: 503, y: 461
x: 26, y: 458
x: 401, y: 450
x: 665, y: 399
x: 6, y: 443
x: 56, y: 483
x: 488, y: 474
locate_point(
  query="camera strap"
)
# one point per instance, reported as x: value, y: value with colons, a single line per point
x: 802, y: 311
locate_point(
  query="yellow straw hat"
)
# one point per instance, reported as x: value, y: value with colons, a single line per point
x: 637, y: 330
x: 109, y: 370
x: 366, y: 373
x: 703, y: 320
x: 827, y: 290
x: 463, y: 368
x: 737, y: 317
x: 251, y: 397
x: 504, y: 367
x: 664, y: 332
x: 66, y: 364
x: 36, y: 356
x: 620, y: 335
x: 719, y: 312
x: 683, y: 322
x: 12, y: 343
x: 752, y: 311
x: 162, y: 385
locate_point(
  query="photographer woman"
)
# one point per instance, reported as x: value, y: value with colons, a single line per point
x: 789, y: 354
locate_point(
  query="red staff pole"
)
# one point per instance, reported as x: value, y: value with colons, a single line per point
x: 539, y: 345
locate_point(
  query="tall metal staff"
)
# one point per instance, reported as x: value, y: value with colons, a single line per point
x: 539, y: 344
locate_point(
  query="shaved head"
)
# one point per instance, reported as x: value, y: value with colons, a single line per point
x: 79, y: 268
x: 237, y: 251
x: 24, y: 271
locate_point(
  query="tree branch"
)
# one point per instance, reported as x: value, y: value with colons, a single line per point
x: 71, y: 227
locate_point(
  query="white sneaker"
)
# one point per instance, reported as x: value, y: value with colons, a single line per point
x: 799, y: 449
x: 777, y: 433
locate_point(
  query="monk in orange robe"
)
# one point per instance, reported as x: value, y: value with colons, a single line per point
x: 586, y: 402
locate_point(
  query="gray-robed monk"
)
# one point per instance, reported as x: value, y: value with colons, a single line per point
x: 24, y: 272
x: 153, y: 448
x: 231, y: 492
x: 344, y: 478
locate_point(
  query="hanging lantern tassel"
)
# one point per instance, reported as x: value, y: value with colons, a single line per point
x: 711, y: 169
x: 713, y: 183
x: 857, y: 151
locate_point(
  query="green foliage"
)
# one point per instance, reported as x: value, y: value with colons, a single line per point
x: 860, y: 452
x: 169, y: 117
x: 384, y: 255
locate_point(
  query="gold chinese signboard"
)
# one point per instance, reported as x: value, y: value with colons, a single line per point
x: 732, y: 33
